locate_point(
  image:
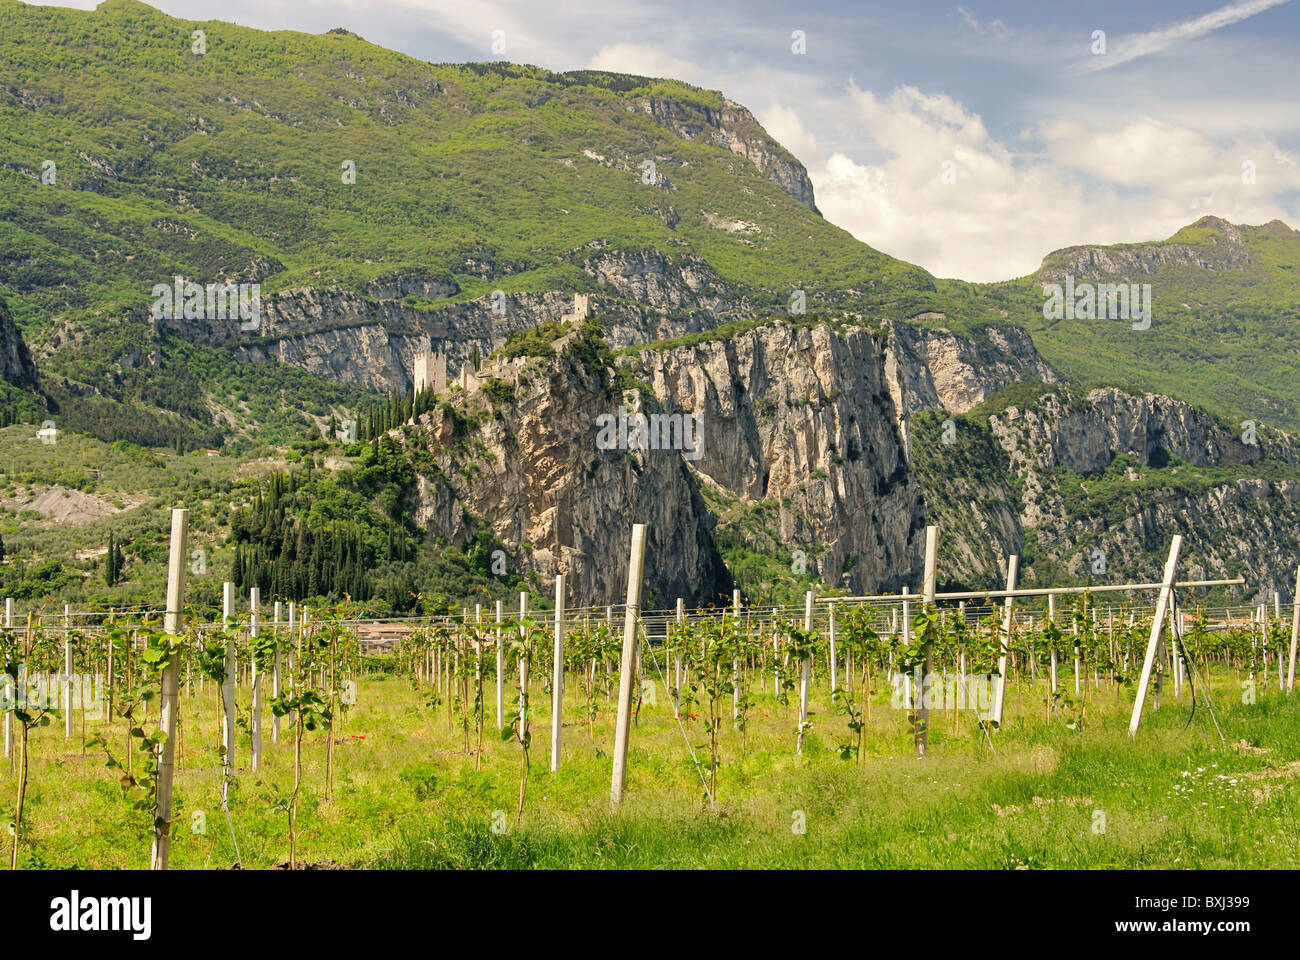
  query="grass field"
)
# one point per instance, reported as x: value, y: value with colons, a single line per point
x: 407, y: 794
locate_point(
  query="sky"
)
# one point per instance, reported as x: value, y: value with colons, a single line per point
x: 971, y: 138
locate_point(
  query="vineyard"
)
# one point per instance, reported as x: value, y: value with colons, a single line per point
x: 1129, y: 725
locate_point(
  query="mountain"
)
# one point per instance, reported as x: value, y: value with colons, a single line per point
x: 382, y: 204
x: 1225, y: 324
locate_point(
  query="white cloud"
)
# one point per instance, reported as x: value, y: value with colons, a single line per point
x: 995, y: 27
x: 1142, y: 44
x: 1135, y: 180
x: 785, y: 124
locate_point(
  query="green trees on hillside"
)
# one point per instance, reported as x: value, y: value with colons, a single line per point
x: 113, y: 562
x: 303, y: 538
x: 395, y: 410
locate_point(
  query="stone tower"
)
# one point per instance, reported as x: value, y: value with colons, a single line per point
x: 431, y: 371
x: 581, y: 308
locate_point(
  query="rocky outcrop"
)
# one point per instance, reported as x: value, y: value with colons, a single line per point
x: 16, y: 364
x: 803, y: 454
x: 532, y: 472
x: 1085, y: 434
x: 934, y: 369
x: 733, y: 128
x: 1047, y: 487
x: 796, y: 423
x: 372, y: 339
x: 800, y: 418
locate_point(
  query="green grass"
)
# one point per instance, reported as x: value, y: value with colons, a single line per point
x: 407, y: 794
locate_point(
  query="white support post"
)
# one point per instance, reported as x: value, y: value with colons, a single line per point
x: 922, y: 732
x: 609, y: 619
x: 501, y: 669
x: 169, y: 700
x: 776, y: 656
x: 275, y: 673
x: 557, y: 675
x: 293, y: 646
x: 1157, y: 623
x: 255, y: 681
x: 961, y: 657
x: 1295, y: 632
x: 848, y: 669
x: 228, y: 692
x: 804, y: 673
x: 1000, y: 696
x: 12, y: 684
x: 735, y: 663
x: 67, y: 672
x: 677, y: 661
x: 523, y: 667
x: 834, y: 652
x: 1051, y: 615
x: 623, y: 725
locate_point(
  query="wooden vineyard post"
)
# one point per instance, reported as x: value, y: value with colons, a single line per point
x: 170, y: 701
x: 523, y: 666
x: 834, y: 666
x: 8, y: 714
x: 735, y: 662
x: 275, y: 672
x: 805, y: 670
x: 557, y: 675
x: 255, y: 681
x: 623, y: 725
x: 1290, y: 671
x: 1000, y: 696
x: 848, y: 670
x: 67, y: 672
x: 227, y: 692
x: 677, y: 661
x: 501, y: 669
x: 1295, y: 635
x: 293, y: 636
x: 776, y: 655
x: 921, y: 734
x: 1051, y: 616
x: 1157, y: 623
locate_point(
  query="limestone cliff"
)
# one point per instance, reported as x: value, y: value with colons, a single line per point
x: 1094, y: 484
x: 803, y: 454
x: 527, y: 466
x: 16, y: 364
x: 800, y: 418
x: 733, y: 128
